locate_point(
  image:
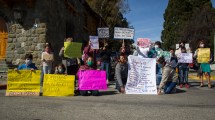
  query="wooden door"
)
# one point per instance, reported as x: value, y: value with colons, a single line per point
x: 3, y: 38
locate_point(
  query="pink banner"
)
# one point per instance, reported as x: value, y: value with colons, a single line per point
x: 144, y: 42
x: 92, y: 80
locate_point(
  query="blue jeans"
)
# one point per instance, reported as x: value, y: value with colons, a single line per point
x: 183, y: 75
x: 41, y: 77
x: 158, y: 79
x: 169, y: 87
x: 105, y: 66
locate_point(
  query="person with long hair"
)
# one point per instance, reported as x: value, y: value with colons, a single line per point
x: 121, y: 72
x: 204, y: 68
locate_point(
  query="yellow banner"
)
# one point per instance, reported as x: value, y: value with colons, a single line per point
x: 203, y: 55
x: 23, y: 81
x: 58, y: 85
x: 72, y: 49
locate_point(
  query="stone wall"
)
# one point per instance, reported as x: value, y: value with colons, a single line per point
x: 56, y: 20
x: 21, y: 42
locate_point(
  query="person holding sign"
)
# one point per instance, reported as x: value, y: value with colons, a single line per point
x: 71, y: 64
x: 183, y: 71
x: 88, y: 66
x: 204, y: 58
x: 121, y: 72
x: 141, y: 51
x: 47, y: 60
x: 28, y: 63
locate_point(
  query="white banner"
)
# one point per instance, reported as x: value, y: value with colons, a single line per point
x: 123, y: 33
x: 103, y: 32
x: 141, y: 76
x: 185, y: 58
x: 94, y: 42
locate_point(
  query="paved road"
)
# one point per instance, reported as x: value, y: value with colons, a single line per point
x: 188, y: 104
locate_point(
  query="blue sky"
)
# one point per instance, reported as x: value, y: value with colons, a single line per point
x: 146, y: 16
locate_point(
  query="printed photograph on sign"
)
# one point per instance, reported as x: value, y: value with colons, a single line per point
x: 94, y: 42
x: 103, y: 32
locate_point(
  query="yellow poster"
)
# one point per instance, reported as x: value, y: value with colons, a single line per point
x: 58, y: 85
x: 72, y: 49
x: 23, y: 83
x: 203, y: 55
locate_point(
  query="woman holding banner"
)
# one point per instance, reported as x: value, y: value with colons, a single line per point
x: 88, y: 66
x: 204, y: 61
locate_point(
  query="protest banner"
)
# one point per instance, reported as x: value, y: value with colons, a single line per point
x: 123, y: 33
x: 185, y: 58
x: 144, y: 42
x: 141, y: 76
x: 58, y: 85
x: 23, y: 83
x: 72, y: 49
x: 94, y: 42
x: 103, y: 32
x: 92, y: 80
x: 203, y: 55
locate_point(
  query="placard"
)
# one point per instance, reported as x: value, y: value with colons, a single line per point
x: 203, y: 55
x: 23, y: 83
x: 72, y: 49
x: 92, y: 80
x: 58, y: 85
x: 123, y: 33
x: 185, y: 58
x: 94, y: 42
x: 141, y: 76
x: 103, y: 32
x: 48, y: 57
x: 144, y: 42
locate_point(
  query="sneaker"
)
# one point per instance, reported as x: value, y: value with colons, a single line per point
x: 181, y: 85
x: 187, y: 86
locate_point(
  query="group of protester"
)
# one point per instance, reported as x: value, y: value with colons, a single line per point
x: 166, y: 77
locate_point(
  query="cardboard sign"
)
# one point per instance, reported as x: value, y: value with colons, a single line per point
x: 203, y: 55
x: 185, y: 58
x: 72, y: 49
x: 48, y: 57
x: 141, y: 76
x: 92, y: 80
x: 144, y: 42
x: 123, y: 33
x: 58, y: 85
x: 94, y: 42
x: 103, y: 32
x: 23, y: 83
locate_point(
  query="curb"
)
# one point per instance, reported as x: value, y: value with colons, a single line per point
x: 194, y: 77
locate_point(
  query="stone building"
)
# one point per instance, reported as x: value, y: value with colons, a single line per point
x: 26, y: 25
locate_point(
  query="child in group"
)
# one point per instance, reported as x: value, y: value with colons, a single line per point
x: 29, y: 65
x: 88, y: 66
x: 169, y: 76
x: 60, y: 69
x: 183, y: 71
x: 47, y: 60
